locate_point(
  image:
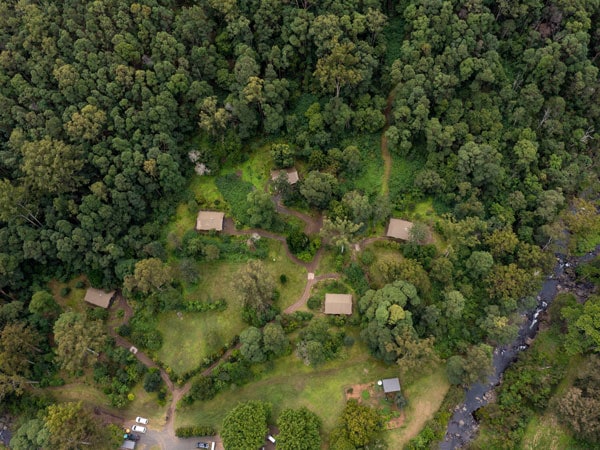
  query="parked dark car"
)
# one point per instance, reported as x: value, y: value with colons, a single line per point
x: 202, y: 445
x: 132, y: 437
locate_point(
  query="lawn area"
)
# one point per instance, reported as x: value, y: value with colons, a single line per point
x: 424, y: 399
x: 144, y: 404
x: 196, y: 335
x: 291, y: 384
x: 73, y: 301
x: 371, y: 175
x: 402, y: 176
x: 257, y: 168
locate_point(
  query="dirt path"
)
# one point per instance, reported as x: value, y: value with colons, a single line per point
x: 307, y: 289
x: 313, y: 224
x: 385, y: 153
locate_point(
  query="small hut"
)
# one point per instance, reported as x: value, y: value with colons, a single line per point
x: 338, y: 304
x: 98, y: 297
x: 399, y: 229
x: 209, y: 220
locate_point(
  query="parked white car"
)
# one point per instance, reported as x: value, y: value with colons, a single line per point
x: 138, y: 428
x: 141, y: 420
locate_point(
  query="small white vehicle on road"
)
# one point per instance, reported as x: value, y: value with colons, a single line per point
x: 141, y: 420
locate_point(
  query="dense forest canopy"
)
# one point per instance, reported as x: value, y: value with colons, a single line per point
x: 100, y: 101
x: 108, y: 108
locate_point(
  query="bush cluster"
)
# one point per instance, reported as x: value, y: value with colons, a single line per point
x: 193, y: 431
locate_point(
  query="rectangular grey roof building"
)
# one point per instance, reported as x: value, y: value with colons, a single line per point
x: 399, y: 229
x: 209, y: 220
x: 98, y: 297
x: 391, y: 385
x: 338, y: 304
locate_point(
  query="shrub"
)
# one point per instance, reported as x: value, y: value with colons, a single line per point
x: 80, y: 284
x: 124, y: 330
x: 348, y: 341
x: 283, y: 278
x: 193, y: 431
x: 152, y: 380
x: 314, y: 302
x: 65, y: 291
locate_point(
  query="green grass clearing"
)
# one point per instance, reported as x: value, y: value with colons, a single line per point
x: 424, y: 398
x: 257, y: 168
x: 291, y: 384
x: 144, y: 403
x: 187, y: 341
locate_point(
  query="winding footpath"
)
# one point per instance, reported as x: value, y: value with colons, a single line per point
x: 166, y: 438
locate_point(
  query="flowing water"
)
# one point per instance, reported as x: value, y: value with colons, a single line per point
x: 462, y: 427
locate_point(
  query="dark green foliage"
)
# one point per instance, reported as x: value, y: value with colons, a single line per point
x: 356, y: 278
x: 314, y: 302
x: 526, y: 388
x: 193, y: 431
x: 297, y: 241
x: 203, y: 388
x: 298, y: 429
x: 283, y: 278
x: 318, y: 343
x: 245, y: 426
x: 291, y: 322
x: 579, y: 406
x: 199, y: 306
x: 65, y: 291
x: 235, y: 192
x: 152, y: 380
x: 359, y: 425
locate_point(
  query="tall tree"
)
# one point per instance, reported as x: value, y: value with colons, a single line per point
x: 298, y: 429
x: 245, y: 426
x: 72, y: 427
x: 150, y: 275
x: 18, y: 348
x: 77, y: 339
x: 338, y: 68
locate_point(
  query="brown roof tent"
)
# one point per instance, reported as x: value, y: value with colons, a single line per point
x: 98, y: 297
x: 292, y: 175
x: 210, y: 220
x: 391, y: 385
x: 399, y: 229
x: 338, y: 304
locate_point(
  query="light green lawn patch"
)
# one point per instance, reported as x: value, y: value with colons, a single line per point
x: 196, y: 335
x: 291, y: 384
x: 187, y: 341
x: 257, y: 168
x: 327, y: 263
x: 370, y: 178
x: 72, y: 301
x: 205, y: 191
x: 424, y: 399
